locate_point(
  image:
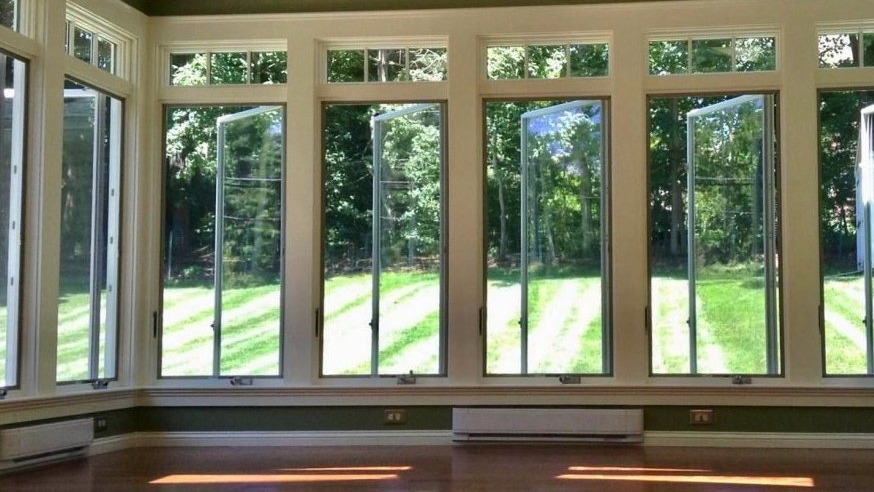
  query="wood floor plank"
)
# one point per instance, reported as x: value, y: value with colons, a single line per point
x: 455, y: 468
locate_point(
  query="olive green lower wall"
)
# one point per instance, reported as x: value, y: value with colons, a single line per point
x: 285, y: 419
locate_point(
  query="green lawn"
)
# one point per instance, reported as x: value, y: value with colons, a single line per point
x: 564, y: 321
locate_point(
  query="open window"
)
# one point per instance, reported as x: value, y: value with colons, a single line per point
x: 546, y: 238
x: 12, y: 115
x: 846, y: 194
x: 90, y: 201
x: 383, y: 253
x: 224, y: 245
x: 714, y: 230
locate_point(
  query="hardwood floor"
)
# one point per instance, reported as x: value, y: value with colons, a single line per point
x: 456, y: 468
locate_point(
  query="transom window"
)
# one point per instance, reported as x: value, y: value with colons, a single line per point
x: 547, y: 61
x: 9, y: 14
x: 387, y: 64
x: 91, y: 47
x: 846, y: 49
x: 713, y: 55
x: 228, y: 67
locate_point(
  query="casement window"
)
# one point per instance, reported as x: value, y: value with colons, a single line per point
x: 846, y: 141
x: 714, y: 230
x: 383, y: 251
x: 223, y: 243
x: 546, y: 237
x: 89, y: 247
x: 13, y: 102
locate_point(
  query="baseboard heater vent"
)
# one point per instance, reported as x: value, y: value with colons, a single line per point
x: 23, y: 447
x: 547, y: 425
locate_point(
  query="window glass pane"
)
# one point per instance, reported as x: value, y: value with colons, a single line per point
x: 82, y: 40
x: 868, y: 48
x: 345, y: 65
x: 106, y: 55
x: 711, y: 55
x: 387, y: 65
x: 228, y: 68
x: 844, y: 218
x: 668, y: 57
x: 506, y: 62
x: 9, y: 13
x: 383, y: 317
x: 547, y: 62
x: 545, y: 234
x: 428, y: 64
x: 722, y: 207
x: 589, y: 60
x: 12, y: 108
x: 89, y: 235
x: 755, y: 54
x: 838, y: 50
x: 269, y: 67
x: 188, y: 69
x: 221, y: 312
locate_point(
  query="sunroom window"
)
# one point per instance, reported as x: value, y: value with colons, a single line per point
x: 420, y: 64
x: 9, y: 14
x: 846, y: 194
x: 546, y: 178
x: 92, y: 47
x: 90, y: 201
x: 384, y: 266
x: 228, y: 67
x: 546, y: 61
x: 713, y: 55
x: 223, y: 241
x: 13, y: 75
x: 846, y: 49
x: 714, y: 296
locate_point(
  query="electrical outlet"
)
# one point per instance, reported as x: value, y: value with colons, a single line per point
x: 701, y: 417
x: 395, y: 416
x: 100, y: 424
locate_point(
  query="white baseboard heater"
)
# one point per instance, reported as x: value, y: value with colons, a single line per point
x: 22, y: 447
x: 547, y: 425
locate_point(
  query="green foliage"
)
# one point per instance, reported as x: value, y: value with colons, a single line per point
x: 7, y: 14
x: 838, y: 144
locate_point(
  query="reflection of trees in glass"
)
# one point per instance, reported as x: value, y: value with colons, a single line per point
x: 564, y: 185
x: 252, y: 193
